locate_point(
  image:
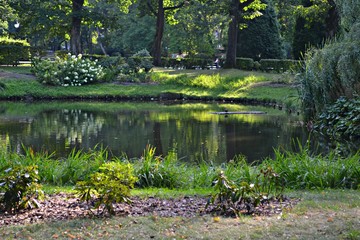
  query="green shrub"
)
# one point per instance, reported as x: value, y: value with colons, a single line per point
x: 19, y: 188
x: 230, y: 196
x: 340, y: 122
x: 62, y: 54
x: 245, y: 63
x: 111, y: 184
x: 140, y: 61
x: 71, y: 71
x: 330, y: 73
x: 279, y: 65
x: 12, y: 51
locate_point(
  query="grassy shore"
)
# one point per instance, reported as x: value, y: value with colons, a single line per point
x: 329, y: 214
x: 232, y: 85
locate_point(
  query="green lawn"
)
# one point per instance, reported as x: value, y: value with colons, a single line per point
x: 190, y: 84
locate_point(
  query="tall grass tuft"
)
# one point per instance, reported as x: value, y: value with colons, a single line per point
x: 157, y: 171
x: 304, y: 171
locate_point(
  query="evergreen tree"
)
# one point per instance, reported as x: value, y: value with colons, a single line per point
x: 261, y: 36
x: 307, y: 33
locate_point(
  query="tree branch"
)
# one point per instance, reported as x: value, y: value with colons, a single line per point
x: 175, y: 7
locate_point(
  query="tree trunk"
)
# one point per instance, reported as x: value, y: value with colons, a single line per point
x: 230, y: 61
x: 160, y: 22
x: 75, y: 34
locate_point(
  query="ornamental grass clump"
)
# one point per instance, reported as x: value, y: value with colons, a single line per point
x: 70, y: 71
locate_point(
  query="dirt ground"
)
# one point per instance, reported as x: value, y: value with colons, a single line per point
x: 62, y: 206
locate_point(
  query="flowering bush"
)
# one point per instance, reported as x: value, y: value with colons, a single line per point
x: 71, y: 71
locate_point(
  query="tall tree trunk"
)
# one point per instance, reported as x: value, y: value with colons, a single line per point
x: 75, y: 34
x: 230, y: 61
x: 160, y: 22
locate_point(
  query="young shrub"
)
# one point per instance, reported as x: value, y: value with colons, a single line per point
x: 110, y: 184
x: 246, y: 194
x: 71, y: 71
x: 19, y: 188
x: 230, y: 198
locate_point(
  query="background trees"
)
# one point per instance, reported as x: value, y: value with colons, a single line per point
x: 205, y: 28
x: 261, y: 37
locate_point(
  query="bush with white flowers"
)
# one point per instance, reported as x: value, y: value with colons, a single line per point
x: 71, y: 71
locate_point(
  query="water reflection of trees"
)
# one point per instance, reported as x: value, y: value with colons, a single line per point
x: 197, y: 134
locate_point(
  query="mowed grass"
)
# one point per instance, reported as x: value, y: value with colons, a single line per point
x: 330, y: 214
x: 198, y: 84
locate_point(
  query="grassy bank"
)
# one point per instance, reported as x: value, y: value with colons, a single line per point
x: 235, y: 85
x: 329, y: 214
x: 293, y: 170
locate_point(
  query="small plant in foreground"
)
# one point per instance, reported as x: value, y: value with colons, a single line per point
x: 111, y: 184
x: 244, y: 196
x: 231, y: 197
x: 19, y: 188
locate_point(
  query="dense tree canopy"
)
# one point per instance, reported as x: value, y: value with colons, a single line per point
x: 165, y: 27
x: 261, y: 37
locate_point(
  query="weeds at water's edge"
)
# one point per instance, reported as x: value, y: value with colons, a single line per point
x: 296, y: 170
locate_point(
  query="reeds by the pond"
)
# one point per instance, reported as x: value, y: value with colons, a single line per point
x: 295, y: 170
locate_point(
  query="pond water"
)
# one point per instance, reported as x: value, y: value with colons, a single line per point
x: 127, y: 127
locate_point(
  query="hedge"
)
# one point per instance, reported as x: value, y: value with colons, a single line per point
x: 245, y: 63
x: 279, y: 65
x: 13, y: 50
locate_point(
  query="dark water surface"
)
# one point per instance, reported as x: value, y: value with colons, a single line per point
x: 125, y: 127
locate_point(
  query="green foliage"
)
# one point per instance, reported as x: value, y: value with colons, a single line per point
x: 304, y: 171
x: 245, y: 63
x: 309, y: 31
x: 231, y: 196
x: 261, y: 37
x: 280, y: 65
x: 331, y: 72
x: 133, y: 69
x: 71, y: 71
x: 341, y: 121
x: 110, y: 184
x: 19, y: 188
x: 12, y: 51
x: 155, y: 171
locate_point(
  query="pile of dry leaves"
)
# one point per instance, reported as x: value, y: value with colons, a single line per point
x: 64, y: 206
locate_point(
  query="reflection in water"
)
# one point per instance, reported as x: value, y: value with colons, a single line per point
x: 128, y: 127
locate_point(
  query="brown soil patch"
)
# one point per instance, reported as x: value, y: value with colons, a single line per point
x: 61, y: 207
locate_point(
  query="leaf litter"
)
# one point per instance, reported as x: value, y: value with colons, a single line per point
x: 63, y: 206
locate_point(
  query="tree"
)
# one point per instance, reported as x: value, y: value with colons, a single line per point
x: 199, y: 31
x: 261, y: 38
x: 45, y: 21
x: 158, y: 8
x: 316, y: 21
x: 6, y: 14
x: 238, y: 9
x: 76, y: 18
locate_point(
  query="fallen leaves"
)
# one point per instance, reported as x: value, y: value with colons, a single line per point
x: 62, y: 206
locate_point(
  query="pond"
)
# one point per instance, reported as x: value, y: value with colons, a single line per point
x: 127, y: 127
